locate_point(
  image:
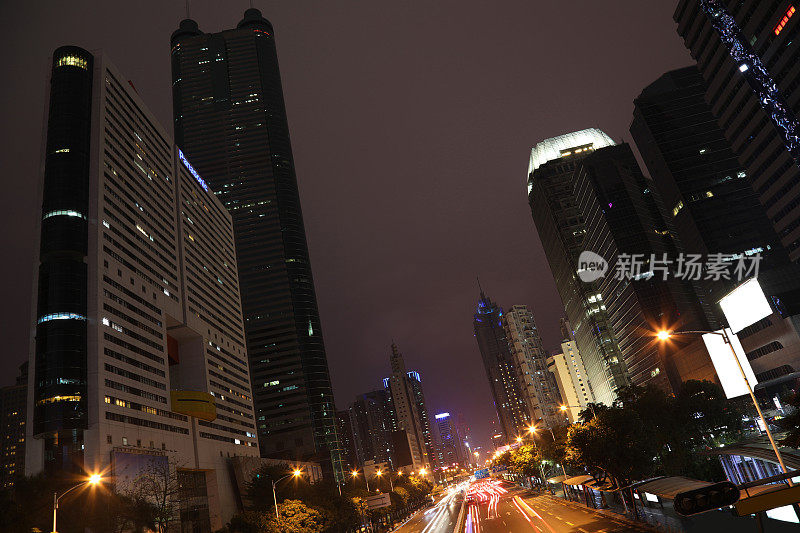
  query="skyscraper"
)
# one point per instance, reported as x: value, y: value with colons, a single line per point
x: 748, y: 54
x: 138, y: 313
x: 708, y: 196
x: 498, y: 363
x: 447, y: 441
x: 230, y: 120
x: 372, y: 427
x: 562, y: 229
x: 408, y: 404
x: 622, y: 218
x: 537, y: 385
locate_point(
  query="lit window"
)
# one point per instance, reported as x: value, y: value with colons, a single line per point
x: 677, y: 208
x: 63, y: 213
x: 743, y: 67
x: 61, y: 316
x: 72, y: 61
x: 62, y: 151
x: 779, y: 28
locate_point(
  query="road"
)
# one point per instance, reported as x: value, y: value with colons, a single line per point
x: 498, y: 507
x: 441, y: 518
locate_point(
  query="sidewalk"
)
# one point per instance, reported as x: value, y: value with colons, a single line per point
x: 611, y: 515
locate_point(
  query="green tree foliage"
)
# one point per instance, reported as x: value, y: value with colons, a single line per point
x: 647, y: 432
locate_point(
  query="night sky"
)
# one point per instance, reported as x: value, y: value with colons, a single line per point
x: 411, y: 124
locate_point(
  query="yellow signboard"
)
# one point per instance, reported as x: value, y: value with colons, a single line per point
x: 193, y: 403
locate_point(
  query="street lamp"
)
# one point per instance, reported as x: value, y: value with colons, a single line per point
x: 354, y: 473
x: 663, y: 335
x: 591, y: 407
x: 92, y: 480
x: 295, y: 474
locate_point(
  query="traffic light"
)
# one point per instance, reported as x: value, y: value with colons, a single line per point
x: 706, y: 499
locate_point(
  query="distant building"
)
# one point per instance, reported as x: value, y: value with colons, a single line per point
x: 512, y: 412
x: 447, y: 440
x: 13, y: 409
x: 537, y: 385
x: 138, y: 356
x: 230, y: 120
x: 372, y: 428
x: 406, y: 455
x: 344, y: 430
x: 570, y: 374
x: 408, y: 404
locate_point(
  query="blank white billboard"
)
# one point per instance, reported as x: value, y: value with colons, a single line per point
x: 724, y: 363
x: 745, y: 305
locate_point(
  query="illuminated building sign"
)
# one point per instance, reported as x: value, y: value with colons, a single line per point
x: 442, y: 415
x: 754, y: 71
x: 784, y: 20
x: 191, y: 169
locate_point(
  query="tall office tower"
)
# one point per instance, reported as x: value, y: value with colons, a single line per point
x: 570, y: 374
x: 230, y: 120
x: 748, y: 52
x: 622, y: 218
x: 13, y: 409
x: 344, y: 430
x: 372, y: 427
x: 138, y: 313
x: 408, y: 404
x: 538, y: 386
x: 447, y: 440
x: 562, y: 229
x: 512, y: 413
x: 708, y: 195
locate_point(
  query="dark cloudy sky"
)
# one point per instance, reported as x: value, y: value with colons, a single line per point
x: 411, y: 125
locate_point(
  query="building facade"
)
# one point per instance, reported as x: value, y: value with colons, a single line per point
x: 570, y: 375
x: 747, y: 53
x: 230, y: 120
x: 512, y: 411
x: 13, y: 409
x: 537, y: 385
x: 562, y: 229
x: 372, y: 426
x: 138, y: 309
x: 407, y: 402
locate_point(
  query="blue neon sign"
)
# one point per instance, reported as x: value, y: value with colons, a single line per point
x: 756, y: 74
x: 191, y: 169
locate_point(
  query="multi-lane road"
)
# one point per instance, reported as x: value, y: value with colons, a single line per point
x: 497, y: 507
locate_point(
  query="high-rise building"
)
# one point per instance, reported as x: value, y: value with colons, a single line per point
x: 407, y: 402
x: 344, y: 430
x: 707, y: 194
x: 372, y: 427
x: 230, y: 120
x: 448, y: 451
x: 512, y: 413
x: 562, y: 229
x: 570, y: 374
x: 537, y: 385
x: 13, y: 409
x: 622, y: 219
x: 748, y: 54
x: 138, y: 350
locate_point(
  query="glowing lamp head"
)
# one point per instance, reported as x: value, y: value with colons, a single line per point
x: 519, y: 439
x: 297, y: 473
x: 379, y: 473
x: 354, y: 473
x: 563, y: 407
x: 422, y: 471
x: 663, y: 335
x: 94, y: 479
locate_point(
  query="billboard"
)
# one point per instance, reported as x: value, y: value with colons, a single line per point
x: 193, y: 403
x: 725, y: 365
x: 745, y: 305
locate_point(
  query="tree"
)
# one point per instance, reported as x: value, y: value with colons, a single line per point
x: 296, y: 517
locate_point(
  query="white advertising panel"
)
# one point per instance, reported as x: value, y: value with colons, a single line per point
x: 724, y: 363
x: 745, y: 305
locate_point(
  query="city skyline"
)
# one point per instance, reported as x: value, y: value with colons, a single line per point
x: 340, y: 266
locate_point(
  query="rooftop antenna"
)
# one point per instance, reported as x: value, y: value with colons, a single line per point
x: 187, y: 9
x: 251, y: 4
x: 479, y: 285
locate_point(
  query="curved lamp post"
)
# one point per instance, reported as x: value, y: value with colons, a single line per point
x: 94, y: 479
x: 296, y: 473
